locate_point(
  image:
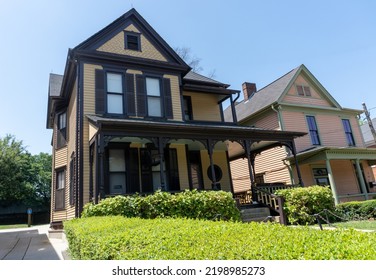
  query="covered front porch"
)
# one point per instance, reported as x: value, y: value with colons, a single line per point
x: 346, y: 170
x: 138, y: 156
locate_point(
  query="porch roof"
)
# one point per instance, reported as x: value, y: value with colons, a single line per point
x: 331, y: 153
x: 260, y: 138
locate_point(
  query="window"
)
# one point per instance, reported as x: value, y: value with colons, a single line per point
x: 132, y: 41
x: 153, y: 91
x: 303, y: 90
x: 114, y: 93
x: 348, y: 132
x: 61, y: 129
x: 321, y: 176
x: 60, y: 189
x: 188, y: 115
x: 313, y: 131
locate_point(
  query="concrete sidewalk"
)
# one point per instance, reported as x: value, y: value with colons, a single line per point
x: 31, y: 243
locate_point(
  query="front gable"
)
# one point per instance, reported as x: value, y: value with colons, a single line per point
x: 112, y: 40
x: 305, y: 90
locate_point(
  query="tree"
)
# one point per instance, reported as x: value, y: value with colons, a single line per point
x: 24, y: 178
x: 15, y: 176
x: 40, y: 170
x: 193, y: 61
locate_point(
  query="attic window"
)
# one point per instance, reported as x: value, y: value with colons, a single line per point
x: 303, y: 90
x: 132, y: 41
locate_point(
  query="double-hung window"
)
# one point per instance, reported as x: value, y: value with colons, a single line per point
x: 348, y: 132
x: 313, y: 131
x: 115, y: 93
x: 61, y: 129
x: 60, y: 189
x: 153, y: 91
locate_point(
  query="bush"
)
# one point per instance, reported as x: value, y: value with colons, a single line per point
x: 302, y: 203
x: 194, y: 204
x: 120, y: 238
x: 355, y: 210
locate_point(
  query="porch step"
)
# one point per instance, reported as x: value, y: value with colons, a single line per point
x: 255, y: 214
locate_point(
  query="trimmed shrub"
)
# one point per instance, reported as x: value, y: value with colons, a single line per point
x: 120, y: 238
x: 194, y: 204
x: 302, y: 203
x: 355, y: 210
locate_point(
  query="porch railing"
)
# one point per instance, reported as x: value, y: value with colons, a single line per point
x: 265, y: 194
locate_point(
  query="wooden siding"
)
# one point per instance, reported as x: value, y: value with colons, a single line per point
x: 175, y: 96
x: 89, y: 108
x: 61, y: 157
x: 270, y: 164
x: 268, y: 120
x: 316, y: 99
x: 204, y: 106
x: 240, y: 175
x: 330, y: 127
x: 116, y: 45
x: 345, y: 177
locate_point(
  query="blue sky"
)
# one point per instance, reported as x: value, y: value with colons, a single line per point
x: 254, y: 41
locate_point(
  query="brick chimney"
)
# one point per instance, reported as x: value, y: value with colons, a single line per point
x: 248, y: 89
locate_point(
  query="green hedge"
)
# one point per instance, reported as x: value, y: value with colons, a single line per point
x: 301, y: 203
x: 120, y: 238
x: 357, y: 210
x: 194, y: 204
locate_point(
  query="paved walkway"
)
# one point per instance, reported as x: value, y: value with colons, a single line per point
x: 30, y: 244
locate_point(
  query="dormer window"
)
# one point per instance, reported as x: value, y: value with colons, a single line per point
x: 303, y: 90
x: 132, y: 41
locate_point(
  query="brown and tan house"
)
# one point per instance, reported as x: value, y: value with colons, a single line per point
x: 128, y: 116
x: 331, y: 153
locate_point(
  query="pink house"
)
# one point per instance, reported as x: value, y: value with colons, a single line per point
x: 331, y: 153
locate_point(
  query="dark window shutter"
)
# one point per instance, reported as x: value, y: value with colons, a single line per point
x: 167, y: 98
x: 141, y: 96
x: 99, y: 92
x: 172, y: 169
x: 133, y: 174
x: 130, y: 95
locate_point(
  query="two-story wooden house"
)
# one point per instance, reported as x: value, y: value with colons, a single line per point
x: 128, y: 116
x: 333, y: 151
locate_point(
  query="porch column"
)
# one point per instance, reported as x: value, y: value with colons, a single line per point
x: 361, y: 179
x: 247, y: 148
x: 296, y: 164
x: 210, y: 152
x: 102, y: 192
x: 331, y: 181
x: 161, y: 144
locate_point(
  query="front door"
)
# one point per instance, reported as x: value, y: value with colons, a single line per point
x: 195, y: 166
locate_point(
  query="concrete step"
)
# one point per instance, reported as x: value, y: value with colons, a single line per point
x: 258, y: 214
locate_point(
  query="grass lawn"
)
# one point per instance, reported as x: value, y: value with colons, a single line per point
x: 367, y: 225
x: 13, y: 226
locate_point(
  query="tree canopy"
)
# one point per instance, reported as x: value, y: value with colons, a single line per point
x: 23, y: 177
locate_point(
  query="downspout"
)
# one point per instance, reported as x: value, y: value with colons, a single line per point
x: 280, y: 122
x: 234, y: 117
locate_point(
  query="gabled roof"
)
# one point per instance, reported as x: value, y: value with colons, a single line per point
x: 131, y: 17
x: 275, y: 92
